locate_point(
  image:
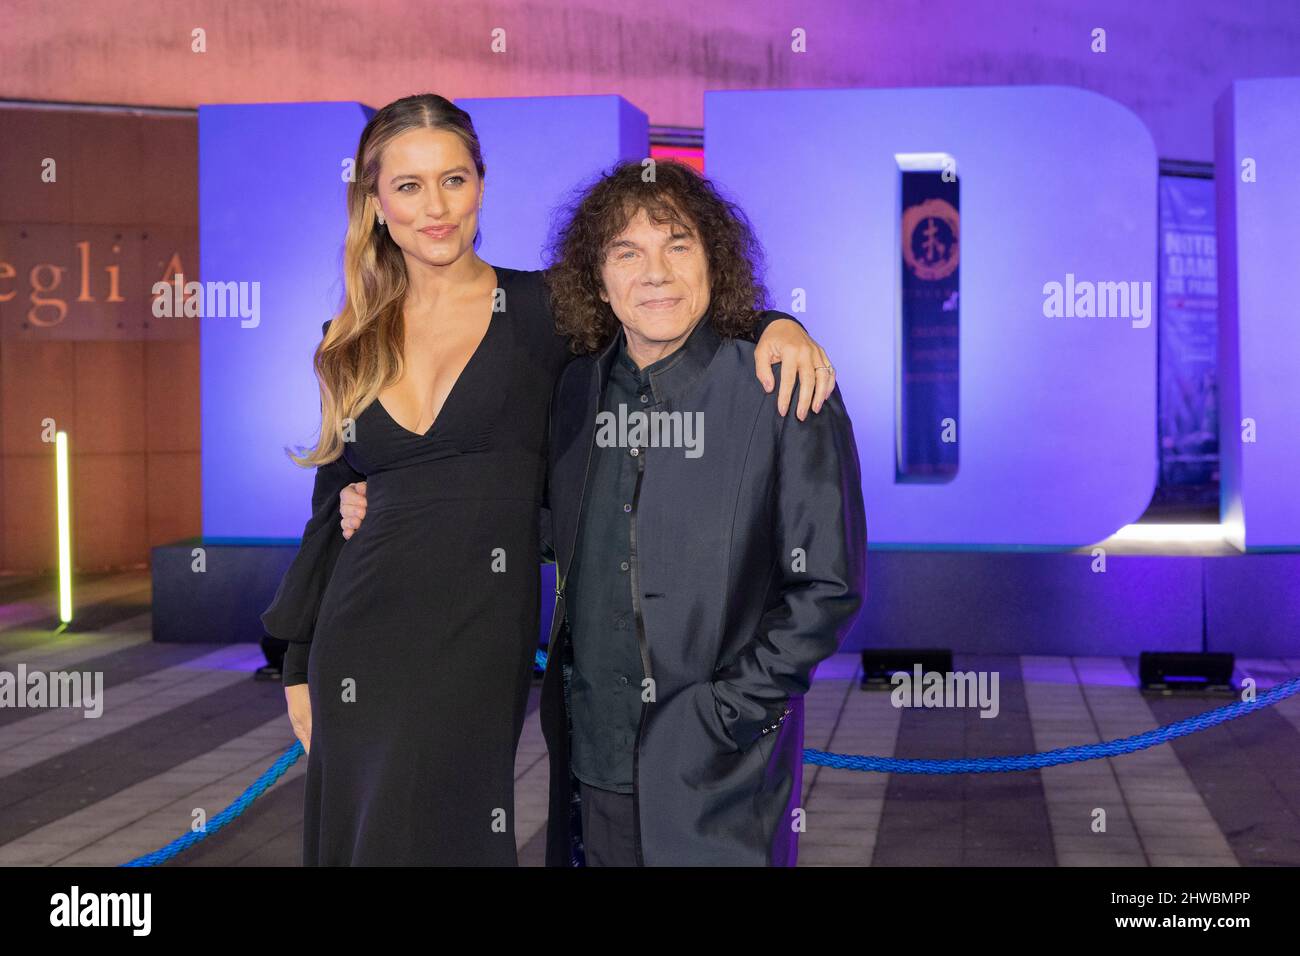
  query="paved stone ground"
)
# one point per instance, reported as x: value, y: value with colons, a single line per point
x: 186, y: 726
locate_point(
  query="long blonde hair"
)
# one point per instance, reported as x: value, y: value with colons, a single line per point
x: 361, y: 353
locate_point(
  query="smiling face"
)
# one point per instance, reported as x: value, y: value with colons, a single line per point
x: 429, y: 193
x: 655, y: 276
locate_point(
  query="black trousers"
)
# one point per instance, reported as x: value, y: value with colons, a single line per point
x: 608, y: 827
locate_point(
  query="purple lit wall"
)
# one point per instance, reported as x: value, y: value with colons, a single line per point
x: 1057, y: 429
x: 1166, y: 60
x: 537, y: 150
x: 1257, y: 140
x: 272, y: 210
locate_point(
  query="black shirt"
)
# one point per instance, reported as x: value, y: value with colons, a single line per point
x: 607, y: 672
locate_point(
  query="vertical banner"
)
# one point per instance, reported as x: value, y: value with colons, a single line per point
x: 928, y: 330
x: 1189, y: 302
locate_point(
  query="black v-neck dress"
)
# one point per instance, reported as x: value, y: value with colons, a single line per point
x: 426, y: 619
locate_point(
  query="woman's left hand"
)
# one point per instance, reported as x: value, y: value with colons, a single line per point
x: 786, y: 342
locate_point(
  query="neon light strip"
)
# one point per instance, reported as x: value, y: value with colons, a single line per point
x: 65, y: 527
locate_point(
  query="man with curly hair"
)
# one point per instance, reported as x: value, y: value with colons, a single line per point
x: 709, y: 553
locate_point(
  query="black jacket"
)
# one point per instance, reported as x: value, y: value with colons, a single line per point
x: 748, y: 568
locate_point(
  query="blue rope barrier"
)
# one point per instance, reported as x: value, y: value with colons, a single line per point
x: 820, y: 758
x: 226, y: 816
x: 1050, y: 758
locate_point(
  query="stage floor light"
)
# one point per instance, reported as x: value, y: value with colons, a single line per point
x: 1209, y: 538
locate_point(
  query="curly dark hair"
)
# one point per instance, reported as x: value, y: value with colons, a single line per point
x: 678, y: 195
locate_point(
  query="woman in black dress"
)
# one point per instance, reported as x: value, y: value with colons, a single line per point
x: 435, y: 380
